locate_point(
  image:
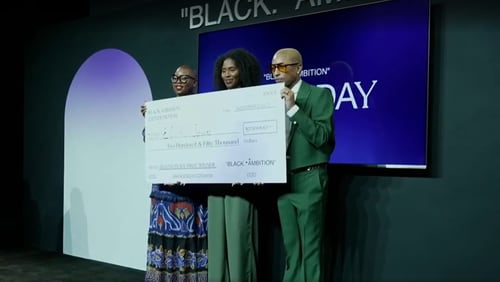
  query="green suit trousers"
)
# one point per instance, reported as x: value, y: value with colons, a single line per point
x: 232, y: 239
x: 302, y: 214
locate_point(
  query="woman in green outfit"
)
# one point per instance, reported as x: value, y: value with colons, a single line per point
x: 232, y: 220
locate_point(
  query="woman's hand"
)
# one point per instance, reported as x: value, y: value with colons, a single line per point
x: 176, y: 183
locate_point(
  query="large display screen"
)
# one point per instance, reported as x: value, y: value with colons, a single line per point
x: 375, y: 60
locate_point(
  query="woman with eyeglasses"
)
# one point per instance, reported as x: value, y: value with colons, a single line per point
x: 177, y: 233
x: 184, y: 81
x: 232, y: 221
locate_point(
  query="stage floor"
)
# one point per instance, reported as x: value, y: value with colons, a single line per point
x: 20, y: 265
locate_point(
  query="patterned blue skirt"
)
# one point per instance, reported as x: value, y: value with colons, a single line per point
x: 177, y: 238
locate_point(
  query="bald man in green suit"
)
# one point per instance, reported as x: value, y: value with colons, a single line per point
x: 310, y: 142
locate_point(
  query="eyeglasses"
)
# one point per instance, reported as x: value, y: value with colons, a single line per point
x: 182, y: 78
x: 281, y: 67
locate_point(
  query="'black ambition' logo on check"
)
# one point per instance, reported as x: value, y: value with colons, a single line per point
x: 250, y: 162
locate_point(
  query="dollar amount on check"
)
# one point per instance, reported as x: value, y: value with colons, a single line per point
x: 230, y: 136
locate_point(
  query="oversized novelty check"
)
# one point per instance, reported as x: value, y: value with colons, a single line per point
x: 230, y: 136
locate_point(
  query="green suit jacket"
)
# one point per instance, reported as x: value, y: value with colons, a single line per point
x: 312, y: 131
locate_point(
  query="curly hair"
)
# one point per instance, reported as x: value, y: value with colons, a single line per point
x: 250, y: 70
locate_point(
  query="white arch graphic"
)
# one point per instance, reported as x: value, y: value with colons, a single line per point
x: 106, y: 203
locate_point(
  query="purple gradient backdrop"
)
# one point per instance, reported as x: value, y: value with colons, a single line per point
x: 104, y: 160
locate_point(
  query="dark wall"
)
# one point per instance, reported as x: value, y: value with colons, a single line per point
x: 440, y: 226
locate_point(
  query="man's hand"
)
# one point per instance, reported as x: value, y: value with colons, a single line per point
x: 289, y: 96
